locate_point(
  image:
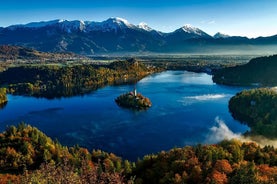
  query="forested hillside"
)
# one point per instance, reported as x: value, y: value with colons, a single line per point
x: 258, y: 109
x: 28, y: 156
x: 13, y: 53
x: 227, y: 162
x: 259, y: 72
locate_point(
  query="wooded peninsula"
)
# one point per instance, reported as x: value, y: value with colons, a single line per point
x: 257, y: 108
x: 259, y: 71
x: 52, y: 81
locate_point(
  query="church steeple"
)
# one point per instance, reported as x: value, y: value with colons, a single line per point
x: 135, y: 91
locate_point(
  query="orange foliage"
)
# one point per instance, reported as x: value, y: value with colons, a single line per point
x: 218, y: 177
x: 11, y: 151
x: 9, y: 178
x: 223, y: 166
x: 266, y: 173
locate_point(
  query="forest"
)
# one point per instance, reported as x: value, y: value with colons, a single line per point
x: 258, y: 109
x: 27, y: 155
x: 67, y: 80
x: 3, y: 97
x: 259, y: 71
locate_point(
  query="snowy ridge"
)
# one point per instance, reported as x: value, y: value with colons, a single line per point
x: 70, y: 26
x: 192, y: 30
x: 42, y: 23
x: 118, y: 35
x: 221, y: 35
x: 66, y: 25
x: 111, y: 24
x: 36, y: 24
x: 144, y: 26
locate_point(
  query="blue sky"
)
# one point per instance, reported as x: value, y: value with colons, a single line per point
x: 250, y: 18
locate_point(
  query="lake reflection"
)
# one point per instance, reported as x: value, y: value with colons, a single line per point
x: 188, y: 108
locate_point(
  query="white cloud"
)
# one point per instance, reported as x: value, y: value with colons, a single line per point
x: 188, y: 100
x: 206, y: 97
x: 220, y: 132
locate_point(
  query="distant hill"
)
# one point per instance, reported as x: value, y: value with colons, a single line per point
x: 8, y: 52
x: 258, y: 72
x: 116, y: 35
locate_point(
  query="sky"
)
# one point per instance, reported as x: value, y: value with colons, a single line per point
x: 251, y: 18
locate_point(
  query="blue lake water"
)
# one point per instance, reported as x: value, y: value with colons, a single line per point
x: 188, y: 108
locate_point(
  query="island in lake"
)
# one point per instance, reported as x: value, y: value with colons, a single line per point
x: 133, y: 100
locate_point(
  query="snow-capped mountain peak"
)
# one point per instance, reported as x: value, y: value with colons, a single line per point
x: 190, y: 29
x: 119, y: 20
x: 144, y: 26
x: 66, y: 25
x: 75, y: 25
x: 221, y: 35
x: 36, y: 24
x: 111, y: 24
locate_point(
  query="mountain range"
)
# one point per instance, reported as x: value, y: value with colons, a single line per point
x: 116, y: 35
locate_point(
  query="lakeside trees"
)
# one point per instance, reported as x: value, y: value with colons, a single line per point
x: 3, y: 97
x: 258, y: 71
x: 58, y: 80
x: 258, y: 109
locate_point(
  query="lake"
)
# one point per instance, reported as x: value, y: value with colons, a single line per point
x: 188, y: 108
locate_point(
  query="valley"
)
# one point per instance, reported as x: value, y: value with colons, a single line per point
x: 66, y: 88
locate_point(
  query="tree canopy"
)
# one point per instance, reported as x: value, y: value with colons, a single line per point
x: 3, y: 97
x: 258, y: 71
x: 68, y: 80
x: 258, y: 109
x: 27, y: 155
